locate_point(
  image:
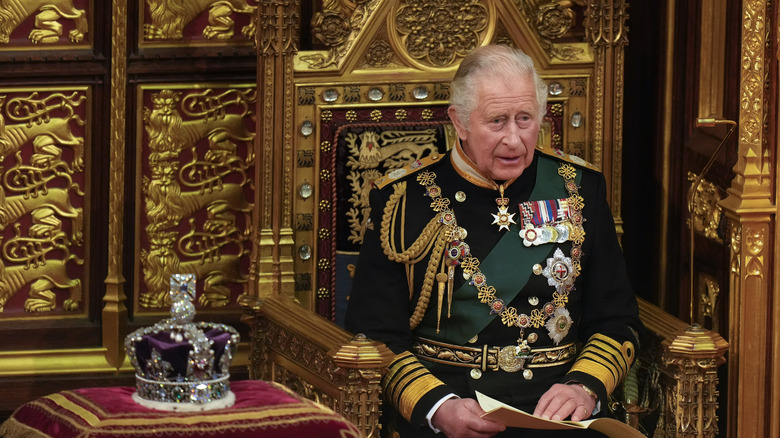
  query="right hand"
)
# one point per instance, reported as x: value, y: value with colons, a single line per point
x: 461, y: 418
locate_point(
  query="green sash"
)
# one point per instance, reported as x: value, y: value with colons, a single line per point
x: 507, y: 268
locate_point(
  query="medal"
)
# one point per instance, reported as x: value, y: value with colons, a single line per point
x: 559, y: 271
x: 558, y: 325
x: 503, y: 219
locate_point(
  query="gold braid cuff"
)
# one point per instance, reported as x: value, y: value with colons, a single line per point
x: 407, y: 382
x: 605, y: 359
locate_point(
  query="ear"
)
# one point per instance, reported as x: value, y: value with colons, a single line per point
x: 460, y: 128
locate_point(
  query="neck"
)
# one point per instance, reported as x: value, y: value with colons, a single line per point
x: 467, y: 169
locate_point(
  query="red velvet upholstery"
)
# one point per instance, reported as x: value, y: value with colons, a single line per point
x: 262, y: 409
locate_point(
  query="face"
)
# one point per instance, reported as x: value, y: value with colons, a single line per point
x: 504, y: 127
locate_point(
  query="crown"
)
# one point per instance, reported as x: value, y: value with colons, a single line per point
x: 181, y: 365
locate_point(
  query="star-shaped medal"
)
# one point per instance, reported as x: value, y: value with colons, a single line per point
x: 503, y: 218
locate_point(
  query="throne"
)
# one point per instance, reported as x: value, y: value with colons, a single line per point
x: 374, y: 99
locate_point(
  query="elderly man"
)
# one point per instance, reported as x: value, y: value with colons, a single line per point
x: 493, y: 268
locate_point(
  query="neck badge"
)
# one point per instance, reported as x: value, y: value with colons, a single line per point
x: 503, y: 219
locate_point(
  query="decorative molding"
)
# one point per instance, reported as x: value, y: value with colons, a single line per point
x: 752, y: 184
x: 707, y: 213
x: 114, y: 314
x: 453, y: 29
x: 338, y: 26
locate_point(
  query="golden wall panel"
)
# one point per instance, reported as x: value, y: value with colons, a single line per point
x: 195, y: 165
x: 183, y: 23
x: 45, y: 24
x: 44, y: 213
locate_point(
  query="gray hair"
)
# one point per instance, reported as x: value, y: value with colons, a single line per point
x: 488, y: 62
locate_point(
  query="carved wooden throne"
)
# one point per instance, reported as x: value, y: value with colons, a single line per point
x: 372, y: 100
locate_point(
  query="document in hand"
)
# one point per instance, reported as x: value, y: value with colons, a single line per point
x: 512, y: 417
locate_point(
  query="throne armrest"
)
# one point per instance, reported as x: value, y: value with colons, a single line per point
x: 316, y: 358
x: 675, y: 378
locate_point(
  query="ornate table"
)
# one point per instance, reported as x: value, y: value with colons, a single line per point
x: 262, y: 408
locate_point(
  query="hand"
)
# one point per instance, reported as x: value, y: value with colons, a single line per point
x: 461, y: 418
x: 562, y: 401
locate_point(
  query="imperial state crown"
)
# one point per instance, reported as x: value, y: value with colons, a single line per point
x: 181, y: 365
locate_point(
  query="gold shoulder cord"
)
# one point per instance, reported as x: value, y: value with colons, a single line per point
x: 431, y: 237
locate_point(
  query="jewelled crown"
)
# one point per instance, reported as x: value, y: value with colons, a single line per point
x: 181, y: 365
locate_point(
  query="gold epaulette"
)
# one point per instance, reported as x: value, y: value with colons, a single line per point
x: 409, y: 169
x: 561, y: 155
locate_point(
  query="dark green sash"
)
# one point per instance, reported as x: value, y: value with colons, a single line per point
x: 507, y: 268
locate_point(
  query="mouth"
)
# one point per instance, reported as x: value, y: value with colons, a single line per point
x: 510, y: 160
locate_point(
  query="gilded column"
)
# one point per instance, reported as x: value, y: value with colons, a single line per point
x: 607, y: 33
x: 272, y: 261
x: 114, y: 317
x: 751, y: 205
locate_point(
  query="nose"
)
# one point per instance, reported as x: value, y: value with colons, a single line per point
x: 513, y: 136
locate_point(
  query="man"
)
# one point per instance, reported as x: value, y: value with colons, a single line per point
x: 494, y: 269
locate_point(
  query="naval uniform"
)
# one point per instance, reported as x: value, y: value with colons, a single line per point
x: 568, y: 292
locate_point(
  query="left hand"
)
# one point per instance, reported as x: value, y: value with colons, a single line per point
x: 562, y: 401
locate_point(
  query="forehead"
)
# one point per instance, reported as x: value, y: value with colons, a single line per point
x: 502, y: 93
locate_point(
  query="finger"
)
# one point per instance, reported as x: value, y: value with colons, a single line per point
x: 554, y: 405
x: 580, y: 413
x: 544, y: 401
x: 564, y: 411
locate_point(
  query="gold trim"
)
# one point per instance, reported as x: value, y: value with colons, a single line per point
x: 666, y: 148
x: 114, y: 313
x: 77, y: 361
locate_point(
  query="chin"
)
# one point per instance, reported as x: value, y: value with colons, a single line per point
x: 506, y: 175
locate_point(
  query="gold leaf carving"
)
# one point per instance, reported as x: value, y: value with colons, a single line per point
x: 177, y: 189
x: 170, y: 17
x: 47, y: 21
x: 41, y: 188
x: 436, y: 33
x: 706, y: 211
x: 337, y: 26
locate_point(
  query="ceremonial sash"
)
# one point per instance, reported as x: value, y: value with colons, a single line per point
x: 507, y: 268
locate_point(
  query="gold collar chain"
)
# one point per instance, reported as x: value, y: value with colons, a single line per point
x: 470, y: 264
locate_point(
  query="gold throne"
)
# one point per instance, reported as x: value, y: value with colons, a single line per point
x: 373, y: 98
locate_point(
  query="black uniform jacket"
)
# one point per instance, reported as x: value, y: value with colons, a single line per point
x: 601, y: 305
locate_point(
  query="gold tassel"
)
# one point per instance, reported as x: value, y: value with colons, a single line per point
x: 450, y: 275
x: 441, y: 278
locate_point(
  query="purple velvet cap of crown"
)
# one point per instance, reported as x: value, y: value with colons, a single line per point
x: 177, y: 353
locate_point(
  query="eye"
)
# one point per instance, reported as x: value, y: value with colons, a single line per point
x: 523, y: 120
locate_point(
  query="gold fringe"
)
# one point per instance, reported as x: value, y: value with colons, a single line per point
x: 13, y: 428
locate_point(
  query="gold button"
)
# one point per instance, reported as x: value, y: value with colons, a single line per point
x: 532, y: 338
x: 474, y: 339
x: 475, y: 373
x: 537, y: 269
x: 460, y: 196
x: 528, y: 374
x: 533, y: 301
